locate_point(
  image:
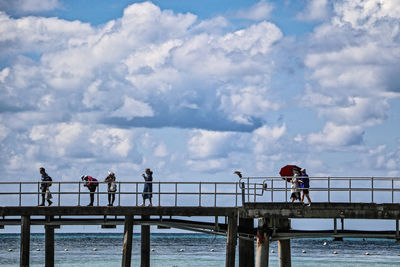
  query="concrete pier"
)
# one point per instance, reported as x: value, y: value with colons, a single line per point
x: 285, y: 259
x: 25, y: 240
x: 246, y: 247
x: 262, y: 252
x: 127, y: 247
x: 49, y: 243
x: 231, y: 239
x: 145, y: 244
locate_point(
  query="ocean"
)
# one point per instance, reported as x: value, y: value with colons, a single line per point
x: 181, y: 249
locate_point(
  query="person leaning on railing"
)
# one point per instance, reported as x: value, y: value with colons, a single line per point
x: 44, y: 186
x: 91, y: 183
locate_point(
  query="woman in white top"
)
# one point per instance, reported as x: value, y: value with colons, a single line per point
x: 295, y: 187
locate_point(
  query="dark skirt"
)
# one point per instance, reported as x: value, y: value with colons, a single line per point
x: 147, y: 191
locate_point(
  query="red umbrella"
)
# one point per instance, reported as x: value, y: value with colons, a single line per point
x: 288, y: 171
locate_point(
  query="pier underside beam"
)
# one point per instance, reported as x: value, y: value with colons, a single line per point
x: 127, y: 247
x: 246, y: 247
x: 231, y: 241
x: 145, y: 243
x: 25, y: 240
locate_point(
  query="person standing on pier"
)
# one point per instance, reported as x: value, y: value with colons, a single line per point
x: 306, y: 186
x: 44, y: 186
x: 148, y: 186
x: 295, y: 188
x: 112, y: 187
x: 91, y: 183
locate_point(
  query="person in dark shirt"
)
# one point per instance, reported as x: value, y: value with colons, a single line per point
x: 148, y: 186
x: 305, y: 185
x: 44, y: 186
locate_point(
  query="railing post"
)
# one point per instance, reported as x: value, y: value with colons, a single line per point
x: 286, y: 190
x: 137, y: 193
x: 200, y: 194
x: 159, y: 194
x: 98, y: 190
x: 272, y: 190
x: 20, y: 191
x: 38, y: 196
x: 243, y: 193
x: 392, y: 191
x: 255, y: 192
x: 79, y: 193
x: 248, y: 189
x: 176, y: 194
x: 350, y: 190
x: 119, y: 193
x: 59, y: 194
x: 329, y: 189
x: 372, y: 189
x: 236, y: 195
x: 215, y: 194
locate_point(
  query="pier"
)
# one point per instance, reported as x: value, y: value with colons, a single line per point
x: 218, y: 208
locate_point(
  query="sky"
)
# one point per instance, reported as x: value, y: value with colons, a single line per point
x: 195, y: 90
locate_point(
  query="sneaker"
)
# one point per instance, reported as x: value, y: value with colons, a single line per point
x: 90, y: 205
x: 41, y: 205
x: 309, y: 205
x: 50, y: 202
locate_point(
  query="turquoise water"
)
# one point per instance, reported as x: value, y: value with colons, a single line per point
x: 196, y: 251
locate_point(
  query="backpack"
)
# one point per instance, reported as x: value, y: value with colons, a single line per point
x: 113, y: 186
x: 92, y: 181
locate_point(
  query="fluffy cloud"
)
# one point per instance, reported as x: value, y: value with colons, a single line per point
x: 352, y: 66
x: 29, y: 6
x: 315, y: 10
x: 259, y: 11
x: 337, y: 136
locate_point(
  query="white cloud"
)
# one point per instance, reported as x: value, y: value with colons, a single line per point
x: 266, y: 139
x: 257, y: 12
x: 133, y: 108
x: 29, y: 6
x: 204, y: 144
x: 315, y: 10
x: 337, y: 136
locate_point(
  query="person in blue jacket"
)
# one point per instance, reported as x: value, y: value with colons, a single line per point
x: 148, y: 186
x: 305, y: 185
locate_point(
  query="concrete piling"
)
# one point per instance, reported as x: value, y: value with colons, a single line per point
x: 127, y: 247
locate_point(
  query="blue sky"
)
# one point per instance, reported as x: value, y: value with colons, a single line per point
x: 198, y: 89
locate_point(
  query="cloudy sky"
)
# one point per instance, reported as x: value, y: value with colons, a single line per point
x: 198, y: 89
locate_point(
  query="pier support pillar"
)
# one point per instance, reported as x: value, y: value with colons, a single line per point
x: 231, y: 241
x: 49, y: 243
x: 25, y: 240
x: 145, y: 243
x: 285, y: 258
x: 246, y: 247
x: 127, y: 248
x: 284, y: 253
x: 262, y: 251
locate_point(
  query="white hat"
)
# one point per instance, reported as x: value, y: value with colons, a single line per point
x: 303, y: 170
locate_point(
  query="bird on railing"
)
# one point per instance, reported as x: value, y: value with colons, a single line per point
x: 238, y: 173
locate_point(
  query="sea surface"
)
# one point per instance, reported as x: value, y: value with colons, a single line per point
x: 177, y: 249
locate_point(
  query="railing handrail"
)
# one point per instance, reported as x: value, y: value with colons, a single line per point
x: 250, y: 188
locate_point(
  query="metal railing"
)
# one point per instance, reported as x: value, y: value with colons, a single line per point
x: 211, y: 194
x: 324, y: 189
x: 208, y: 194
